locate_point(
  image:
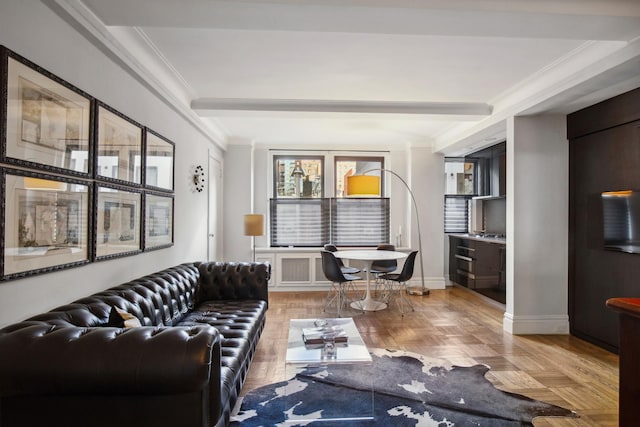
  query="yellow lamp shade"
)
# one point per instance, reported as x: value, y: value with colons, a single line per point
x: 363, y: 185
x: 254, y: 225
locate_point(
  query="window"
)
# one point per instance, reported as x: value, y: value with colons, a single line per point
x: 301, y: 214
x: 461, y: 185
x: 299, y: 222
x: 359, y: 221
x: 347, y: 166
x: 299, y: 176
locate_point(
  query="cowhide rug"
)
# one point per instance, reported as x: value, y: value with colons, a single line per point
x: 410, y: 390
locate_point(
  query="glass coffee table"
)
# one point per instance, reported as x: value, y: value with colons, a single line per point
x: 301, y: 356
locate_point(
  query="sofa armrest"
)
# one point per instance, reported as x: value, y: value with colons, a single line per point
x: 40, y: 359
x: 234, y: 281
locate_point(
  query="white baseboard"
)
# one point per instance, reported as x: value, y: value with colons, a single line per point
x: 529, y: 325
x: 429, y: 282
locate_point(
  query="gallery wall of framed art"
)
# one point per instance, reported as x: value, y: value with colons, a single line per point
x: 81, y: 182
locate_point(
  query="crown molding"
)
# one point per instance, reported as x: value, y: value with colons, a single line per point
x: 603, y: 68
x: 141, y: 59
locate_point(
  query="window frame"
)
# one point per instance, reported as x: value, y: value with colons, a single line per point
x: 467, y: 197
x: 356, y: 158
x: 329, y: 179
x: 294, y: 157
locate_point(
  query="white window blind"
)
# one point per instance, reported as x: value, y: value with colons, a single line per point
x: 359, y: 221
x: 299, y: 222
x: 341, y: 221
x: 456, y: 214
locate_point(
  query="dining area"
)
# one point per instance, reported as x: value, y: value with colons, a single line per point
x: 385, y: 272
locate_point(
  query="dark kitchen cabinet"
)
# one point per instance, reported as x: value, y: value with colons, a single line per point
x: 479, y: 265
x: 462, y: 261
x: 487, y: 264
x: 604, y: 155
x: 491, y: 169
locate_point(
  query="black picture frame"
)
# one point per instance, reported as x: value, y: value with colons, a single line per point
x: 159, y: 164
x: 47, y: 123
x: 118, y: 151
x: 46, y: 223
x: 117, y: 221
x: 158, y: 221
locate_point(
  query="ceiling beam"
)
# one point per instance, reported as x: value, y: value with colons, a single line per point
x: 567, y: 19
x: 204, y: 105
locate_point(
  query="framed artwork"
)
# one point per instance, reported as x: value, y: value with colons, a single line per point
x: 118, y: 147
x: 158, y: 221
x: 45, y: 223
x: 46, y: 122
x: 117, y: 222
x: 159, y: 153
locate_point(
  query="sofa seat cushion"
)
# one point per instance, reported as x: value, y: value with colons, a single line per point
x: 238, y: 323
x: 233, y: 319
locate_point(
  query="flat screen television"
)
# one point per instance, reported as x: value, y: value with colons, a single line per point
x: 621, y: 216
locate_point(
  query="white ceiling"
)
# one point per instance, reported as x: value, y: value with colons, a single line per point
x: 444, y: 73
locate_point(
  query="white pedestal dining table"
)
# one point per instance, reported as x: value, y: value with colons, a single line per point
x: 369, y: 256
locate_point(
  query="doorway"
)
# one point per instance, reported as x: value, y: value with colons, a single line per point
x: 214, y: 239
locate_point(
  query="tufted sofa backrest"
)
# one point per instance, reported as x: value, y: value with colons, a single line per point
x: 233, y: 280
x: 158, y: 299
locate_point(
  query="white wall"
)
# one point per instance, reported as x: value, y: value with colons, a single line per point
x: 238, y: 194
x: 427, y: 183
x: 537, y: 225
x: 32, y: 30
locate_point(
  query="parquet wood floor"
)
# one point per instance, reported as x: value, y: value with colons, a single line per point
x: 464, y: 328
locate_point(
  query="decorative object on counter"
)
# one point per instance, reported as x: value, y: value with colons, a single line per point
x: 399, y: 237
x: 411, y: 389
x: 254, y: 226
x: 369, y: 185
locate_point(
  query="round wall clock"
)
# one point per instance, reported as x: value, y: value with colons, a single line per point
x: 198, y: 178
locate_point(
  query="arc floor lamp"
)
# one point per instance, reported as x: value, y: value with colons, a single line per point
x: 369, y: 185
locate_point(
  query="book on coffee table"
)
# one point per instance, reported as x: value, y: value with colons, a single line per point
x: 314, y: 335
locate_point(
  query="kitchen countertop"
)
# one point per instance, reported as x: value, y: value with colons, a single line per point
x: 480, y: 238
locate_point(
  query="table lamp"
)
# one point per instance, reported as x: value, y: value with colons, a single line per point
x: 254, y: 226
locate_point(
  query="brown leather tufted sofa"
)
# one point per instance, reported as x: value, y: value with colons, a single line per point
x: 183, y: 367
